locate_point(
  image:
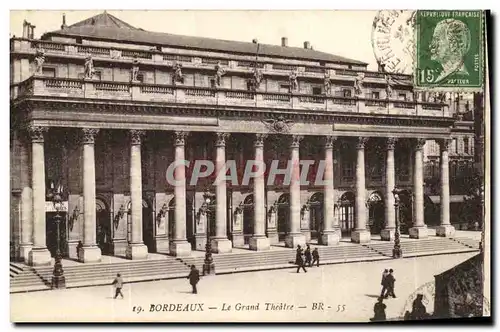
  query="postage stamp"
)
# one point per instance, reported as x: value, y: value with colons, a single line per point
x: 449, y: 50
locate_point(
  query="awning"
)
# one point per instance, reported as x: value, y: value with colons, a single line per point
x: 453, y: 199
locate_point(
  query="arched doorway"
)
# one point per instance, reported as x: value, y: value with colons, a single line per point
x: 248, y: 218
x: 103, y: 226
x: 316, y: 215
x: 405, y: 211
x: 376, y: 213
x: 148, y: 226
x: 346, y: 213
x: 190, y: 227
x: 283, y: 216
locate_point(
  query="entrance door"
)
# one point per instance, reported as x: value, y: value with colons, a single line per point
x: 148, y: 226
x: 51, y: 233
x: 405, y: 211
x: 376, y: 213
x: 316, y: 215
x: 103, y: 227
x: 248, y: 218
x: 346, y: 213
x: 283, y: 216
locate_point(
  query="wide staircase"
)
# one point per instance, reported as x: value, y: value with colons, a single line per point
x: 24, y: 278
x: 423, y: 247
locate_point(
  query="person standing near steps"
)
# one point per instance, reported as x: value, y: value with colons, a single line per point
x: 118, y: 283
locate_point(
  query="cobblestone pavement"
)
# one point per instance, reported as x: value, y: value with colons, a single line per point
x: 347, y: 292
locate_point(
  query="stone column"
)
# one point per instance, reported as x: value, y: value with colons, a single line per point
x: 387, y: 233
x: 419, y: 229
x: 179, y: 245
x: 136, y: 249
x: 26, y: 202
x: 90, y: 252
x: 39, y: 254
x: 360, y: 233
x: 220, y: 243
x: 294, y: 236
x: 330, y: 234
x: 445, y: 229
x: 259, y: 241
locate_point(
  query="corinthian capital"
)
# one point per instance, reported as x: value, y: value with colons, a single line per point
x: 37, y: 133
x: 89, y: 135
x: 180, y: 137
x: 444, y: 144
x: 295, y: 141
x: 360, y: 144
x: 329, y: 141
x: 419, y: 143
x: 259, y: 140
x: 391, y: 143
x: 221, y: 139
x: 136, y: 136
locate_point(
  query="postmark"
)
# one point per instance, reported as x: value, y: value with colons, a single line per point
x: 393, y: 40
x: 449, y: 50
x: 421, y: 304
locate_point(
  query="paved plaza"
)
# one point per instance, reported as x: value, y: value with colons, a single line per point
x: 347, y: 292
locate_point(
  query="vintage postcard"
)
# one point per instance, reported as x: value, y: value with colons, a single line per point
x: 178, y: 166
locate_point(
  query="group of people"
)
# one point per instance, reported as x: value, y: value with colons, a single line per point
x: 387, y: 283
x: 309, y: 258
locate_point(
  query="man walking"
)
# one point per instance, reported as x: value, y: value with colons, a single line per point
x: 307, y: 255
x: 118, y: 283
x: 315, y: 255
x: 384, y: 282
x: 299, y: 260
x: 194, y: 277
x: 390, y: 284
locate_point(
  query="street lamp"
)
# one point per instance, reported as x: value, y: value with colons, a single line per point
x: 208, y: 264
x: 397, y: 252
x: 58, y: 279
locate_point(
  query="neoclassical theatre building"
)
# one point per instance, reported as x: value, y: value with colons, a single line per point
x: 100, y: 109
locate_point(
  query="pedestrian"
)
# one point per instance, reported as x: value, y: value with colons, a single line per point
x: 308, y: 256
x: 194, y: 277
x: 118, y: 283
x: 379, y: 311
x: 384, y: 282
x: 299, y: 260
x: 418, y: 308
x: 390, y: 284
x: 315, y: 255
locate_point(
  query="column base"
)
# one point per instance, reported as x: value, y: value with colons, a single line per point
x: 89, y: 254
x: 238, y: 240
x: 445, y: 231
x: 200, y: 242
x: 273, y: 237
x: 39, y: 257
x: 295, y: 239
x: 259, y: 243
x: 119, y: 247
x: 361, y: 236
x: 221, y: 246
x: 162, y: 244
x: 418, y: 232
x: 388, y: 234
x: 136, y: 251
x: 180, y: 248
x: 329, y: 238
x: 72, y: 251
x: 24, y: 252
x: 307, y: 235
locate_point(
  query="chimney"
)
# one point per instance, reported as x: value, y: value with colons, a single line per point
x: 64, y: 26
x: 32, y: 31
x: 255, y: 41
x: 307, y: 45
x: 284, y: 41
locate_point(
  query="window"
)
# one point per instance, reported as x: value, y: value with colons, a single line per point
x: 402, y: 96
x: 316, y: 90
x: 347, y: 170
x: 346, y: 92
x: 97, y: 75
x: 454, y: 146
x: 49, y: 72
x: 212, y: 83
x: 78, y: 40
x: 466, y: 145
x: 376, y: 95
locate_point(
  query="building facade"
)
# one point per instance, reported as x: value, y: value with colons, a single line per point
x: 100, y: 109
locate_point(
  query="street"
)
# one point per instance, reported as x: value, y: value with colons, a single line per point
x: 336, y: 293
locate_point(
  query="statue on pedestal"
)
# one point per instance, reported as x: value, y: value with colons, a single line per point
x: 39, y: 60
x: 89, y: 67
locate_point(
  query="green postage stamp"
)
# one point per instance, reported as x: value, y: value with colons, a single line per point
x: 449, y: 50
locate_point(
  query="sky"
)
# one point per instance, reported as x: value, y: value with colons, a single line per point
x: 340, y: 32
